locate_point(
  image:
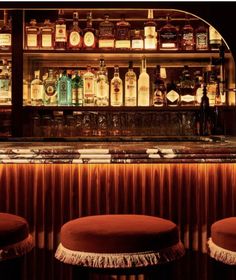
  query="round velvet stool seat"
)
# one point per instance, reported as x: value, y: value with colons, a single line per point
x: 222, y: 243
x: 119, y: 241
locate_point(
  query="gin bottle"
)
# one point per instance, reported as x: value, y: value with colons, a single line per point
x: 50, y: 89
x: 36, y: 90
x: 116, y: 88
x: 89, y: 87
x: 64, y: 89
x: 102, y: 85
x: 130, y: 86
x: 143, y: 86
x: 172, y: 95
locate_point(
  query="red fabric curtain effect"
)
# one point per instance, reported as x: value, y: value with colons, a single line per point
x: 48, y: 195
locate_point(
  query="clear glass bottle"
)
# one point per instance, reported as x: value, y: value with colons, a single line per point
x: 102, y: 95
x: 89, y: 87
x: 50, y: 89
x: 186, y: 89
x: 64, y: 89
x: 36, y: 90
x: 116, y: 88
x: 159, y: 89
x: 32, y: 35
x: 143, y: 86
x: 60, y: 32
x: 130, y: 86
x: 5, y: 33
x: 168, y: 36
x: 75, y: 37
x: 90, y: 38
x: 77, y: 89
x: 106, y: 34
x: 215, y: 39
x: 201, y: 38
x: 122, y: 34
x: 5, y: 90
x: 172, y: 95
x: 150, y: 34
x: 187, y: 37
x: 137, y: 41
x: 47, y: 35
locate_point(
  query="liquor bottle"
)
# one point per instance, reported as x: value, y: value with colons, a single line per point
x: 75, y: 38
x: 143, y: 86
x: 50, y: 89
x: 36, y: 90
x: 172, y: 95
x: 47, y: 35
x: 77, y: 89
x: 187, y: 37
x: 102, y: 95
x: 159, y: 89
x: 90, y: 38
x: 60, y: 32
x: 116, y: 88
x: 198, y: 87
x: 32, y: 35
x: 130, y: 86
x: 5, y: 91
x: 64, y: 89
x: 215, y: 39
x: 89, y: 87
x: 201, y: 38
x: 106, y: 34
x: 5, y: 34
x: 168, y: 36
x: 150, y: 34
x: 212, y: 85
x: 204, y: 113
x: 186, y: 88
x: 137, y: 41
x: 26, y: 98
x: 122, y: 34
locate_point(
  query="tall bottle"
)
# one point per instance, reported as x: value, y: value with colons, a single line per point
x: 198, y: 87
x: 122, y: 34
x: 102, y: 85
x: 36, y: 90
x: 212, y: 85
x: 50, y: 89
x: 90, y: 38
x: 64, y: 89
x: 143, y: 86
x: 150, y: 34
x: 168, y: 36
x: 116, y: 88
x: 32, y: 35
x: 60, y: 32
x: 130, y: 86
x: 75, y: 38
x: 5, y: 33
x: 159, y: 89
x: 106, y: 34
x: 5, y: 90
x: 187, y: 37
x: 201, y: 38
x: 89, y: 87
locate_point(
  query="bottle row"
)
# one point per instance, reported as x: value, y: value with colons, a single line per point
x: 60, y: 35
x: 94, y: 88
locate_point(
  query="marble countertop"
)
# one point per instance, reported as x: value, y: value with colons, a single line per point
x: 126, y: 150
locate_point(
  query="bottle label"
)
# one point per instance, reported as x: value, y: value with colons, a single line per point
x: 5, y: 39
x: 60, y: 35
x: 187, y: 98
x: 36, y: 92
x: 32, y: 40
x: 74, y: 38
x: 62, y: 92
x: 106, y: 43
x: 172, y: 96
x: 50, y: 89
x: 188, y: 41
x: 116, y: 93
x: 137, y: 44
x: 143, y: 96
x: 74, y: 95
x: 89, y: 39
x: 150, y: 43
x: 89, y: 87
x: 211, y: 93
x: 122, y: 44
x: 130, y: 93
x: 4, y: 88
x: 201, y: 41
x: 106, y: 31
x: 46, y: 40
x: 150, y: 31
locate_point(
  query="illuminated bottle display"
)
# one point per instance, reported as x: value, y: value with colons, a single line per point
x: 89, y: 87
x: 168, y: 36
x: 50, y: 90
x: 47, y: 35
x: 90, y: 39
x: 116, y: 88
x: 60, y: 32
x: 150, y: 34
x: 75, y: 38
x: 64, y: 89
x: 32, y: 35
x: 143, y: 86
x: 102, y: 85
x: 159, y: 89
x: 5, y: 34
x: 106, y: 34
x: 130, y: 86
x: 122, y: 34
x: 36, y: 90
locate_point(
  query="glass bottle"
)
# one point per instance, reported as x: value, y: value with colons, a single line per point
x: 150, y: 34
x: 201, y: 38
x: 116, y: 88
x: 130, y: 86
x: 172, y: 95
x: 64, y: 89
x: 75, y: 38
x: 106, y: 34
x: 5, y: 90
x: 122, y: 34
x: 90, y: 38
x: 36, y: 90
x: 198, y: 87
x: 212, y: 85
x: 143, y: 86
x: 47, y: 35
x: 32, y: 35
x: 5, y: 34
x: 159, y: 89
x: 137, y: 41
x: 186, y: 88
x: 168, y: 36
x: 60, y: 32
x: 77, y: 89
x: 89, y: 87
x: 50, y: 89
x: 215, y: 39
x: 187, y: 37
x: 102, y: 85
x: 26, y: 99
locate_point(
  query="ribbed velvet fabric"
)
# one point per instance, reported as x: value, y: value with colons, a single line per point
x: 48, y: 195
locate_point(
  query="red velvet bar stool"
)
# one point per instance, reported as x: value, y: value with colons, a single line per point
x: 119, y: 241
x: 222, y: 243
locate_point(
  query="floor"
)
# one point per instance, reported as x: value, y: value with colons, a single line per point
x: 41, y: 265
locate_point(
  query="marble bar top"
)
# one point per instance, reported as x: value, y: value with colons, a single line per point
x: 181, y: 150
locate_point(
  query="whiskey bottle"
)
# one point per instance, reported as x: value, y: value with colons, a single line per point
x: 32, y: 35
x: 122, y: 34
x: 47, y: 35
x: 159, y: 89
x: 116, y: 88
x: 137, y: 41
x: 75, y: 38
x: 106, y: 34
x: 187, y: 37
x: 50, y: 89
x: 36, y: 90
x: 89, y: 87
x: 168, y: 36
x: 64, y: 89
x: 150, y: 34
x: 77, y: 89
x: 5, y: 90
x: 186, y: 89
x: 102, y: 96
x: 215, y: 39
x: 90, y: 38
x: 60, y: 32
x: 201, y: 38
x: 5, y: 34
x: 130, y: 86
x: 143, y: 86
x: 172, y: 96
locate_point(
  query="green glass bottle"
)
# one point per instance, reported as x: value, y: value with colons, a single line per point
x: 64, y: 89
